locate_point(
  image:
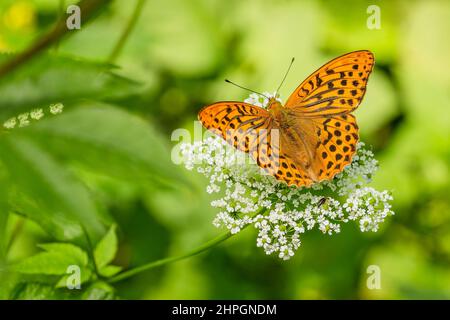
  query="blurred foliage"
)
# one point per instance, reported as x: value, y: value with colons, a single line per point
x: 95, y: 186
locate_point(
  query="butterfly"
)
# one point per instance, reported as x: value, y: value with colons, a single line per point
x: 309, y: 139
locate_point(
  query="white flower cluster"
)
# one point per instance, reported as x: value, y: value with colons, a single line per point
x: 23, y: 119
x: 279, y: 212
x: 262, y: 100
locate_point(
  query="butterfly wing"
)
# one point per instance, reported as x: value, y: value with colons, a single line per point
x: 318, y: 148
x: 336, y: 138
x: 321, y: 108
x: 337, y: 87
x: 290, y: 171
x: 244, y: 126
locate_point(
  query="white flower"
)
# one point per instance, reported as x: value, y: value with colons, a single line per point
x: 56, y: 108
x: 36, y: 114
x: 23, y: 119
x: 261, y: 100
x: 10, y: 123
x: 280, y: 213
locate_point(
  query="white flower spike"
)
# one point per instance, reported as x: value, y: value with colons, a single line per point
x: 56, y: 108
x: 23, y: 120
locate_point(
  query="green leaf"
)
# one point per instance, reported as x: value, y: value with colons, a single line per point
x: 85, y: 276
x: 52, y: 192
x: 49, y: 79
x: 8, y: 283
x: 105, y: 250
x: 4, y: 212
x: 99, y: 291
x: 109, y: 140
x: 47, y: 263
x: 109, y: 271
x: 35, y: 291
x: 67, y: 249
x: 56, y: 223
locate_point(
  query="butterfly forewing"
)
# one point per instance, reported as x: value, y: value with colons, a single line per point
x: 246, y: 127
x: 335, y: 88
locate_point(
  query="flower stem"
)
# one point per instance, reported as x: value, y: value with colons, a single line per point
x: 127, y: 31
x: 207, y: 245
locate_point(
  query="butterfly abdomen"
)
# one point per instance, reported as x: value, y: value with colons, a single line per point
x: 297, y: 146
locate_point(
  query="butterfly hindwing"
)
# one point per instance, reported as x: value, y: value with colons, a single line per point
x: 291, y: 172
x: 337, y: 137
x: 337, y: 87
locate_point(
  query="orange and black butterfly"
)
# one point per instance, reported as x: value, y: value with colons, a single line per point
x: 316, y: 133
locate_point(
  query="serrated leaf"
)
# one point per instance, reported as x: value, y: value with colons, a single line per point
x: 67, y: 249
x: 110, y: 270
x: 105, y: 250
x: 109, y: 140
x: 49, y: 79
x: 48, y: 263
x: 53, y: 191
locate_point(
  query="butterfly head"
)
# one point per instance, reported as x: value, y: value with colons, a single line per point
x: 274, y: 106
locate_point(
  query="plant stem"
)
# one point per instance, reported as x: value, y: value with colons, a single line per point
x: 87, y: 7
x: 206, y: 246
x: 127, y: 31
x: 62, y: 5
x: 90, y: 250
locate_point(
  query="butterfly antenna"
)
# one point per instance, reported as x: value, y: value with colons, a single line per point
x: 285, y: 75
x: 228, y: 81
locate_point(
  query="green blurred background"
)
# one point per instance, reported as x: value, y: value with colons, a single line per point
x: 172, y: 64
